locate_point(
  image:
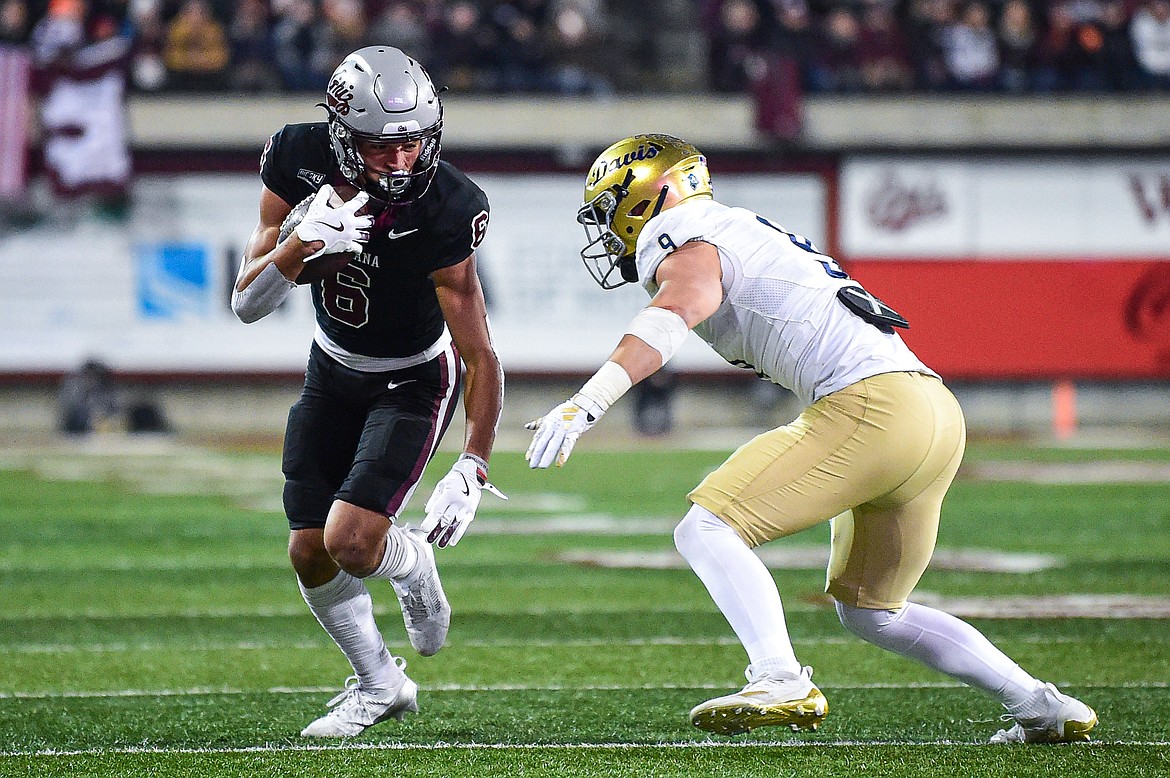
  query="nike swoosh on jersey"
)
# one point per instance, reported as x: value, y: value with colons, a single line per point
x: 392, y: 235
x: 395, y: 385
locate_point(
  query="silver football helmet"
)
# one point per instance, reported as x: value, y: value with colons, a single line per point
x: 380, y: 94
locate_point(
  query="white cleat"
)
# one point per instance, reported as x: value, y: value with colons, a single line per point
x: 425, y: 609
x: 1067, y: 720
x: 355, y: 710
x: 772, y: 699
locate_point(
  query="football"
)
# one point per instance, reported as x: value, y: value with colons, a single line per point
x: 327, y: 264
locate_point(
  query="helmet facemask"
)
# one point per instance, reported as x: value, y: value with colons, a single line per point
x: 395, y: 186
x: 605, y: 251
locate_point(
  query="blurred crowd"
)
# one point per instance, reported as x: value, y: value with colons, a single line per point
x: 579, y: 47
x: 293, y: 45
x: 1013, y: 46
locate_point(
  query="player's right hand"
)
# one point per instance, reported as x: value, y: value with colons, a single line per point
x: 335, y: 223
x: 557, y: 431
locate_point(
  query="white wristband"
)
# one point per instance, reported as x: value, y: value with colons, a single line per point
x: 607, y: 385
x: 662, y: 330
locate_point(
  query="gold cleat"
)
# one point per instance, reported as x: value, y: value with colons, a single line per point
x: 768, y: 700
x: 1067, y: 720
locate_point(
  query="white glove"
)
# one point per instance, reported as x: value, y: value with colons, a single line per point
x: 452, y: 505
x: 335, y: 223
x: 557, y: 432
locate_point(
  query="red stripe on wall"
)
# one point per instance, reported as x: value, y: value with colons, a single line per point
x: 1035, y: 319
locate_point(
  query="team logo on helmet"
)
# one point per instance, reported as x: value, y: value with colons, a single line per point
x: 603, y: 167
x: 339, y: 95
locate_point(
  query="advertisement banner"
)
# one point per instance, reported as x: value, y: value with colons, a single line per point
x: 1030, y: 320
x: 1018, y: 269
x: 150, y: 293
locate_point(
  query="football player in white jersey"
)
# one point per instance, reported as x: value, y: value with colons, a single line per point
x: 875, y: 449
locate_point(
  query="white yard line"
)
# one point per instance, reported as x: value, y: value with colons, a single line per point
x: 323, y: 643
x: 1056, y: 606
x: 703, y: 744
x: 601, y: 609
x: 789, y: 557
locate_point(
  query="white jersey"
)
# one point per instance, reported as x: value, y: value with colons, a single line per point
x: 780, y: 315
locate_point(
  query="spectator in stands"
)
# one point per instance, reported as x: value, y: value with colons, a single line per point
x: 15, y: 125
x: 344, y: 31
x: 971, y: 50
x: 1150, y: 31
x: 1069, y: 52
x: 1054, y: 54
x: 1102, y: 57
x: 794, y: 37
x: 734, y: 43
x: 836, y: 65
x: 1118, y: 66
x: 781, y: 69
x: 196, y: 50
x: 15, y: 22
x: 298, y: 35
x: 882, y: 53
x: 148, y: 72
x: 926, y: 25
x: 1017, y: 46
x: 403, y: 25
x: 252, y: 49
x: 579, y: 65
x: 81, y: 74
x: 520, y: 58
x: 463, y: 43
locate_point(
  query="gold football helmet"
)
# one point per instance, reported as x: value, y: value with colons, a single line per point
x: 629, y: 184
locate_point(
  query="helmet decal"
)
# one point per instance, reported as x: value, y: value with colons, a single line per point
x: 338, y: 95
x: 603, y: 167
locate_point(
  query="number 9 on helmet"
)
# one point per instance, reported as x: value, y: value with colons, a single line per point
x: 629, y: 184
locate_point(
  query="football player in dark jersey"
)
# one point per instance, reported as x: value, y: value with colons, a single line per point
x: 384, y: 370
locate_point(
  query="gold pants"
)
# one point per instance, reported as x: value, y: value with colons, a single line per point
x: 877, y: 457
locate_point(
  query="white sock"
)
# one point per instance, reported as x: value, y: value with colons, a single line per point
x: 741, y: 587
x: 944, y: 642
x: 399, y: 558
x: 344, y: 609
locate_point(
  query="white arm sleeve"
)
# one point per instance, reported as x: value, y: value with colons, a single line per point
x: 662, y: 330
x: 607, y: 385
x: 262, y: 296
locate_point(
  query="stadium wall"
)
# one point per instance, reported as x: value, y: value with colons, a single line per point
x: 1024, y: 252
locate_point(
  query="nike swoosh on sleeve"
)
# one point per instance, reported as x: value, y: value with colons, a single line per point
x: 392, y: 235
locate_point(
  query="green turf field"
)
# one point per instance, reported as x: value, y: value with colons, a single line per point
x: 150, y: 625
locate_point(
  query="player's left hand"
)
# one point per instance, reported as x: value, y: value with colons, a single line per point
x: 451, y: 507
x: 558, y: 430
